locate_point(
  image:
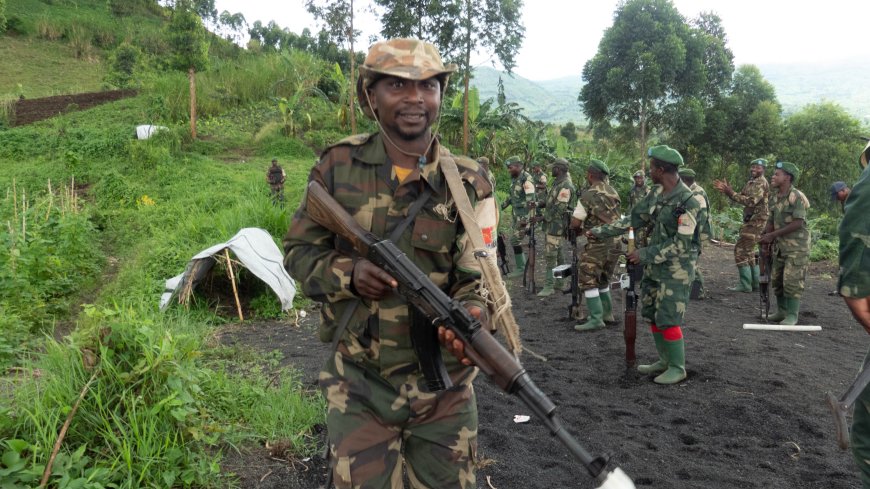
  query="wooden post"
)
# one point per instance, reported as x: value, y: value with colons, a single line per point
x: 233, y: 280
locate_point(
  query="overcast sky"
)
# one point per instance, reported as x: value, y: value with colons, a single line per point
x: 561, y: 35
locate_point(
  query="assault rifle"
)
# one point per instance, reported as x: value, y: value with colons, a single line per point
x: 501, y: 249
x: 529, y: 271
x: 441, y: 310
x: 765, y: 263
x: 628, y: 282
x: 570, y: 272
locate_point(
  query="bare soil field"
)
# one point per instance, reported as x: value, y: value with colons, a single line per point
x: 751, y: 413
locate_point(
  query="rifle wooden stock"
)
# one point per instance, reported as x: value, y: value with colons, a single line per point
x: 529, y: 272
x: 765, y: 263
x: 629, y: 333
x: 481, y: 347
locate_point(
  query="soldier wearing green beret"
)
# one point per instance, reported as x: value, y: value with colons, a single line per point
x: 638, y: 190
x: 394, y: 184
x: 687, y: 175
x: 672, y: 213
x: 560, y: 201
x: 753, y: 198
x: 521, y: 198
x: 598, y: 205
x: 854, y: 285
x: 787, y: 230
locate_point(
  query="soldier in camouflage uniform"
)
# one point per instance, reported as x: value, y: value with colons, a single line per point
x: 687, y: 175
x: 521, y: 198
x: 787, y: 230
x: 483, y: 161
x: 672, y: 212
x: 539, y: 178
x: 753, y: 198
x: 638, y: 190
x: 854, y: 286
x: 275, y: 176
x: 379, y: 413
x: 559, y: 203
x: 598, y: 205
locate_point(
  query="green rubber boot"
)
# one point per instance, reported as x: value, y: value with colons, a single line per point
x: 520, y: 269
x: 755, y: 274
x: 780, y: 310
x: 792, y: 308
x: 676, y: 371
x: 661, y: 364
x: 745, y: 284
x: 594, y: 320
x: 607, y: 306
x: 548, y: 284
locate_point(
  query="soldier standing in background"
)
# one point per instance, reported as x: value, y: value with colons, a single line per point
x: 521, y: 198
x: 669, y: 259
x: 539, y: 178
x: 275, y: 176
x: 598, y: 205
x: 483, y: 161
x: 754, y: 199
x: 705, y: 230
x: 854, y: 285
x: 787, y: 229
x: 638, y: 190
x: 380, y: 417
x: 559, y: 203
x: 840, y: 192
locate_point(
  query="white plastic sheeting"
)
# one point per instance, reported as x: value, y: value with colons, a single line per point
x: 147, y: 130
x: 257, y: 252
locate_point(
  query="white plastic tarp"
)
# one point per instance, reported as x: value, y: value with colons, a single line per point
x: 257, y: 252
x: 147, y: 130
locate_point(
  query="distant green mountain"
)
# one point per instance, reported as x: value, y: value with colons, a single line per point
x: 797, y: 85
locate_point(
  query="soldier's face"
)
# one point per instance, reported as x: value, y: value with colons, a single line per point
x: 406, y: 108
x: 779, y: 178
x: 638, y: 180
x: 514, y: 170
x: 655, y: 173
x: 756, y: 171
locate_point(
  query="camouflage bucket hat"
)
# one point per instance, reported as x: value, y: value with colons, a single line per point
x: 411, y: 59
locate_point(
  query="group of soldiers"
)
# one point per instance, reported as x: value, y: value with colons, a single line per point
x: 672, y: 223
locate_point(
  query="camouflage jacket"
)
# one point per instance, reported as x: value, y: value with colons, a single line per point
x: 540, y: 181
x: 560, y: 202
x: 601, y: 203
x: 522, y: 192
x: 357, y: 173
x: 635, y: 195
x: 753, y: 198
x: 275, y: 175
x: 784, y: 210
x: 704, y: 226
x: 854, y: 279
x: 674, y: 234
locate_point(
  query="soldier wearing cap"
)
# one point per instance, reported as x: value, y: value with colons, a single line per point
x: 687, y: 175
x: 854, y: 285
x: 598, y: 205
x: 275, y: 176
x: 379, y: 413
x: 671, y: 212
x: 787, y: 230
x: 840, y: 192
x: 521, y: 198
x: 753, y: 198
x: 560, y: 201
x: 638, y: 190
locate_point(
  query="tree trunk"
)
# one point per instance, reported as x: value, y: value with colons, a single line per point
x: 467, y: 78
x: 351, y: 97
x: 191, y: 76
x: 642, y: 141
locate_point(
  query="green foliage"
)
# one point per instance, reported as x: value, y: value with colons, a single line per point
x: 123, y: 63
x: 2, y: 16
x: 69, y: 470
x: 187, y: 39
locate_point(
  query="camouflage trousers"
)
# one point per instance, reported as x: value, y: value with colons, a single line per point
x: 747, y: 244
x: 664, y: 301
x: 788, y: 274
x: 373, y: 426
x: 518, y: 230
x: 277, y: 192
x: 596, y: 264
x: 860, y: 433
x: 553, y: 254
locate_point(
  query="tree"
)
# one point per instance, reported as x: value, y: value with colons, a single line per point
x: 232, y: 25
x: 124, y: 60
x: 338, y: 17
x: 459, y: 28
x: 820, y: 140
x: 187, y: 41
x: 649, y: 67
x: 569, y: 132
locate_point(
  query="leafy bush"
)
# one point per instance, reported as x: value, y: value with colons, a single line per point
x: 123, y: 63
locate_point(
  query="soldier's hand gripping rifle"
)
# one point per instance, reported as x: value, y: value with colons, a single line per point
x: 765, y: 263
x: 628, y: 282
x: 441, y: 310
x: 529, y: 271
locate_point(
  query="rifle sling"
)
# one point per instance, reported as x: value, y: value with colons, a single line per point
x: 413, y: 210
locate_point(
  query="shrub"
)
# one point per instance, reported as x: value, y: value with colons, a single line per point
x: 122, y: 65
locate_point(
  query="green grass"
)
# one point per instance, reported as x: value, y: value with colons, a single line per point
x: 39, y: 68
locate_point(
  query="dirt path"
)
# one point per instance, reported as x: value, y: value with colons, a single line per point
x: 750, y: 415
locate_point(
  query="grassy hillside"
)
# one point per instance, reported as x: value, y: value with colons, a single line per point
x: 551, y: 101
x: 39, y: 68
